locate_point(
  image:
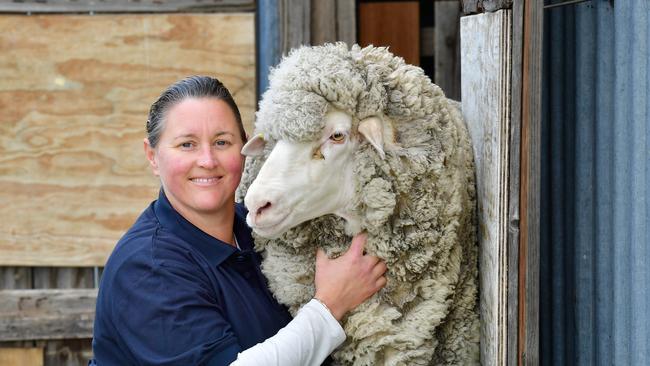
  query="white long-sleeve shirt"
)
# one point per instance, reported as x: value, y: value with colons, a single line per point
x: 307, y: 340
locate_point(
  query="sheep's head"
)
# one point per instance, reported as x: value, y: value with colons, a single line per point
x: 322, y: 105
x: 300, y: 181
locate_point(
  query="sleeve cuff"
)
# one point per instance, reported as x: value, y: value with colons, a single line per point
x: 335, y: 327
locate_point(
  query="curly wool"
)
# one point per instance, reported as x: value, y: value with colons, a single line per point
x: 417, y: 205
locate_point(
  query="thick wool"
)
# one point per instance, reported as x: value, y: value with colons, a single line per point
x: 417, y: 205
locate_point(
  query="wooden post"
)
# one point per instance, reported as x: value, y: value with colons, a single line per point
x: 485, y: 79
x: 501, y: 79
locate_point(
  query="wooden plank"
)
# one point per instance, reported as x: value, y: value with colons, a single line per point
x: 47, y: 314
x: 485, y: 77
x: 346, y: 21
x: 447, y: 48
x: 393, y: 24
x: 72, y: 173
x: 323, y: 22
x: 64, y: 352
x: 125, y: 6
x: 514, y: 188
x: 16, y: 278
x: 21, y: 356
x: 530, y: 178
x: 295, y: 24
x: 333, y: 21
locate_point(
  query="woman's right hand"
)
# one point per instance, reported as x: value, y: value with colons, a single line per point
x: 347, y: 281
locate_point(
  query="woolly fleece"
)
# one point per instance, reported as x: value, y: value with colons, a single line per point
x: 417, y: 205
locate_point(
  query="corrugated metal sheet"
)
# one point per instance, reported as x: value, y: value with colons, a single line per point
x: 267, y: 42
x: 595, y: 232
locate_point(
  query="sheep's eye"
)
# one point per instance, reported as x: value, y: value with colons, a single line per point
x: 337, y: 137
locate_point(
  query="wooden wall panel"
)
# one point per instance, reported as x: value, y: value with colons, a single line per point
x: 47, y: 314
x: 21, y: 356
x: 74, y: 98
x: 486, y: 48
x: 394, y: 24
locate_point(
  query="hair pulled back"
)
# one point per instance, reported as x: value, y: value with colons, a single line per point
x: 190, y: 87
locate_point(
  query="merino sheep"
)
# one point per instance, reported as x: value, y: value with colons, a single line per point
x: 351, y: 140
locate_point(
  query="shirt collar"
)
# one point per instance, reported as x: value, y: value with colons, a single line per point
x: 215, y: 250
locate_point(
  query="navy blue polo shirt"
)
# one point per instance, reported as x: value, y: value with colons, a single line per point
x: 171, y: 294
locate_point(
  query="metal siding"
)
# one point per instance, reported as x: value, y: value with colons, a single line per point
x: 595, y: 288
x: 267, y: 42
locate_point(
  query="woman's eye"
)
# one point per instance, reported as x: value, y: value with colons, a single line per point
x: 186, y: 145
x: 337, y: 136
x: 222, y: 143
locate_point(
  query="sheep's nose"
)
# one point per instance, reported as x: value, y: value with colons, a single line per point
x: 257, y: 206
x: 265, y: 205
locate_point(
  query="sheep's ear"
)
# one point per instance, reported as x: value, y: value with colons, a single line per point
x: 254, y: 146
x: 372, y: 129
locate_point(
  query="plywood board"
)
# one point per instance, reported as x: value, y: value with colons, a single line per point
x: 21, y: 356
x: 394, y: 24
x: 74, y: 99
x: 485, y: 78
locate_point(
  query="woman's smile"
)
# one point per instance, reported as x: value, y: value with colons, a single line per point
x: 206, y: 181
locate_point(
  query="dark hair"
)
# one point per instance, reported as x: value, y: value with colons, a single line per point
x: 190, y: 87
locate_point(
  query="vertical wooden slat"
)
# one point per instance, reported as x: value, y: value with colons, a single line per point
x: 63, y: 277
x: 295, y: 24
x: 486, y: 48
x: 15, y: 278
x: 346, y: 21
x: 323, y: 21
x: 70, y: 352
x: 447, y: 47
x: 514, y: 182
x: 533, y: 13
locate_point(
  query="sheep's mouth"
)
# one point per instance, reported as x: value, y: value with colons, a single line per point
x: 268, y: 229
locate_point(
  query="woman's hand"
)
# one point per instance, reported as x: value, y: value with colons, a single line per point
x: 347, y: 281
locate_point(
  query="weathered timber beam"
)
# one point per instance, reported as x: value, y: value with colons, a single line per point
x: 125, y: 6
x: 480, y: 6
x: 47, y: 314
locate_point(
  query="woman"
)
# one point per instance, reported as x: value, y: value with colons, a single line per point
x: 183, y: 286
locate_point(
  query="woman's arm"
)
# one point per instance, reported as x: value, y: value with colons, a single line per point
x: 307, y: 340
x: 341, y: 285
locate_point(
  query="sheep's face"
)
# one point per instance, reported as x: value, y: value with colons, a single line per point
x: 302, y: 181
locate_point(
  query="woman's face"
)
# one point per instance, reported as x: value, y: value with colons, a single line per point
x: 198, y: 156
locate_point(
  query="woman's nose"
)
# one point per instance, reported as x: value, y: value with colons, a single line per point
x: 207, y: 159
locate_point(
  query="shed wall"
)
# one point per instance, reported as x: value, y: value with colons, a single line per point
x: 595, y: 237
